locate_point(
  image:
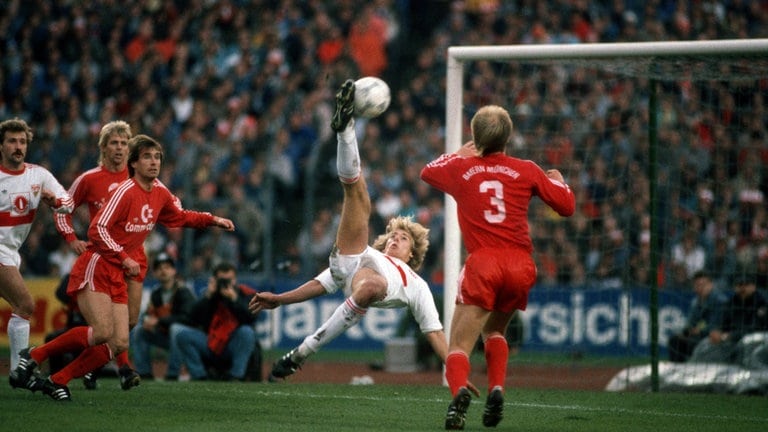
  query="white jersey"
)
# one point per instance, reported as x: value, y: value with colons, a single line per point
x: 20, y: 195
x: 405, y: 288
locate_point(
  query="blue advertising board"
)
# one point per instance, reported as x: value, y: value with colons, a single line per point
x: 591, y: 321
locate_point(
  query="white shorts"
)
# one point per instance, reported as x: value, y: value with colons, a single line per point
x: 405, y: 288
x: 344, y: 267
x: 9, y: 257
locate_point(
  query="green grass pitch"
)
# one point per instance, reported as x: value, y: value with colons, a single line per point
x: 217, y: 406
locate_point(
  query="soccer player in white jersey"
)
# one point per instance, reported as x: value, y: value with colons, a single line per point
x: 382, y: 275
x: 22, y: 187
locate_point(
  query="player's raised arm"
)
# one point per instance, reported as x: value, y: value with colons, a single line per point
x: 556, y: 193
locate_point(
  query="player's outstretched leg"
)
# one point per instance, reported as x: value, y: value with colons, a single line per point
x: 345, y: 106
x: 457, y: 410
x: 494, y: 407
x: 286, y: 365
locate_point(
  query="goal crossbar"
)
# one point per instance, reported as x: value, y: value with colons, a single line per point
x: 727, y: 47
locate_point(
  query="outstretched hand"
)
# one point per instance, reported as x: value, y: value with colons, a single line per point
x: 224, y: 223
x: 263, y: 300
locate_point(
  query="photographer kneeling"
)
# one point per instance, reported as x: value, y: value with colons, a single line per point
x: 220, y: 337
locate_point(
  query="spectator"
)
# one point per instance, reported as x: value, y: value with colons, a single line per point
x: 221, y: 334
x: 368, y: 42
x: 169, y: 302
x: 61, y: 260
x: 197, y: 61
x: 746, y: 312
x: 704, y: 314
x: 688, y: 254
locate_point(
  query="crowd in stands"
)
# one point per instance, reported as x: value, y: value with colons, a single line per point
x: 240, y: 93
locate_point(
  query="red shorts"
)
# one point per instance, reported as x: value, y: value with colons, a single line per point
x: 497, y: 279
x: 91, y: 269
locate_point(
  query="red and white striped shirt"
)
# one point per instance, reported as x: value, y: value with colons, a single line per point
x: 20, y: 195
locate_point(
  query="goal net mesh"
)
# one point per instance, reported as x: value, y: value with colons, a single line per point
x: 672, y: 149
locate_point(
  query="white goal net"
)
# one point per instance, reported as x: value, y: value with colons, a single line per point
x: 666, y: 147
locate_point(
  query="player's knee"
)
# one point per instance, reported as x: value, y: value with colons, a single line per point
x: 101, y: 335
x: 25, y: 308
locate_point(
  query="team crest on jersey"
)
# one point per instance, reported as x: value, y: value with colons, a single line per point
x: 36, y: 189
x: 20, y: 203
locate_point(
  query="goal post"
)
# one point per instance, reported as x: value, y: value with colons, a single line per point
x: 647, y: 62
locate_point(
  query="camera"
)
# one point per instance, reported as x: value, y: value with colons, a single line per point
x: 223, y: 283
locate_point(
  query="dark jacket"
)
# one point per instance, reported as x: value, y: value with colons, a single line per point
x: 219, y: 316
x: 706, y: 315
x: 177, y: 310
x: 741, y: 317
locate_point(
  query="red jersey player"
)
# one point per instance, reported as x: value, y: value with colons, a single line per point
x: 116, y: 250
x: 492, y: 192
x: 93, y: 188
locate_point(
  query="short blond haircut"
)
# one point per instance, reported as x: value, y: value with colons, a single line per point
x: 491, y: 129
x: 117, y: 127
x: 418, y: 233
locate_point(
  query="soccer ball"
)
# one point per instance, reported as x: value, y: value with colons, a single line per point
x: 371, y: 97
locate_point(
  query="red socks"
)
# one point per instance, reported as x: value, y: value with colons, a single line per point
x: 122, y: 360
x: 457, y: 370
x: 90, y: 359
x: 74, y: 339
x: 496, y: 357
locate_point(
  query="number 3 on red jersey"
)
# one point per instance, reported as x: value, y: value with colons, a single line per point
x: 498, y: 213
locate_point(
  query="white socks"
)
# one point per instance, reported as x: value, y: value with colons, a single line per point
x: 345, y: 316
x: 18, y: 337
x: 347, y: 154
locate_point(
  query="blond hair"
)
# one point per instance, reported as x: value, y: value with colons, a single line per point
x: 117, y: 127
x: 491, y: 129
x: 418, y: 233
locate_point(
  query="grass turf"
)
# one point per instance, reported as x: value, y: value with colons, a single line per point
x: 218, y: 406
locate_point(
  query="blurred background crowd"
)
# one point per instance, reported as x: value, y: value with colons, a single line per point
x: 240, y: 93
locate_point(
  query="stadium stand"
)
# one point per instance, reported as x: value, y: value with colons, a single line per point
x: 239, y: 92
